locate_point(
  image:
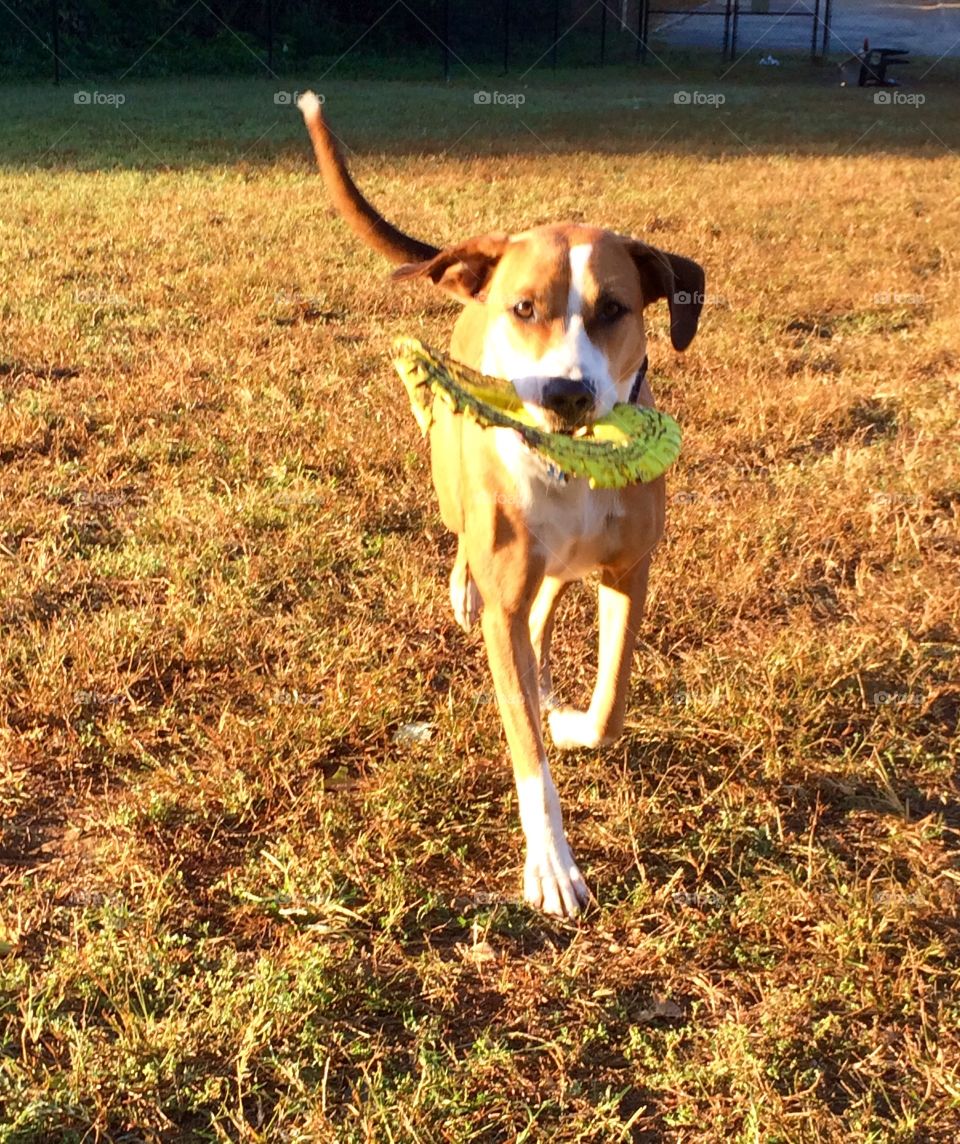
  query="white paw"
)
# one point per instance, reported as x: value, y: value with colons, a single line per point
x: 465, y: 597
x: 552, y: 882
x: 570, y: 728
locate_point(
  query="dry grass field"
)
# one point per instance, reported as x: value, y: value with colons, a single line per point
x: 240, y: 899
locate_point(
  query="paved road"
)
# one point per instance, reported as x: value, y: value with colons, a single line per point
x: 925, y: 28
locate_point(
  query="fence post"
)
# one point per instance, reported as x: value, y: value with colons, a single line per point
x: 55, y: 29
x: 270, y: 34
x: 506, y: 36
x: 815, y: 33
x: 827, y: 16
x: 603, y: 32
x: 643, y: 29
x: 446, y: 41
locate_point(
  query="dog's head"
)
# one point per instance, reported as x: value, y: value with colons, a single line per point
x: 565, y: 306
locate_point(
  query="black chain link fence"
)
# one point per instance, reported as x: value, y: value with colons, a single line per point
x: 433, y: 38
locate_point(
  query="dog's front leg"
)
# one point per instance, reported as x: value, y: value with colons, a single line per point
x: 541, y: 633
x: 622, y: 597
x: 551, y: 880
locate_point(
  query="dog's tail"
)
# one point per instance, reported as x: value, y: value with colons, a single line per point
x: 363, y: 219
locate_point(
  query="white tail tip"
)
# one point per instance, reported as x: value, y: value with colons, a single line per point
x: 309, y: 104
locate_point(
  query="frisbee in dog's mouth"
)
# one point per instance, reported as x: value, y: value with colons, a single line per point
x: 630, y: 445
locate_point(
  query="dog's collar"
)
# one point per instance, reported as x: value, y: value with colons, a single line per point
x: 638, y: 382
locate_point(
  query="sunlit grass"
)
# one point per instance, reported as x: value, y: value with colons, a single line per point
x: 236, y: 903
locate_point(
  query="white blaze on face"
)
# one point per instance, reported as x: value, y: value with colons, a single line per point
x: 571, y: 355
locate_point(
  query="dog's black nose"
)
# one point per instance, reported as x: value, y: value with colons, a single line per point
x: 569, y: 399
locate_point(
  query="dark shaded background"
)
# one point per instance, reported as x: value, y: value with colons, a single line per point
x: 109, y: 37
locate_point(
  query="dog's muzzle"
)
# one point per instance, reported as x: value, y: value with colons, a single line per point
x: 569, y: 403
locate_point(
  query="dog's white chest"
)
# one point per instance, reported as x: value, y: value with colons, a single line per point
x: 576, y: 528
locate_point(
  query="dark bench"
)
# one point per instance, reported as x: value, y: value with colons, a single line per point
x: 871, y: 65
x: 875, y: 61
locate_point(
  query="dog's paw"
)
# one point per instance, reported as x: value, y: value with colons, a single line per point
x: 465, y: 597
x: 570, y: 728
x: 552, y: 882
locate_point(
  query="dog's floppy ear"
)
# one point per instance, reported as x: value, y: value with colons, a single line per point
x: 462, y: 270
x: 679, y: 280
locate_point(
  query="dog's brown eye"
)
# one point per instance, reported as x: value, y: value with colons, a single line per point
x: 524, y: 310
x: 611, y: 310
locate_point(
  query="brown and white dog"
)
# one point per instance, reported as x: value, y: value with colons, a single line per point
x: 557, y: 310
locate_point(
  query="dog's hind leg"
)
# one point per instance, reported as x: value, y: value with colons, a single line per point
x: 621, y: 608
x: 464, y: 594
x: 541, y: 633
